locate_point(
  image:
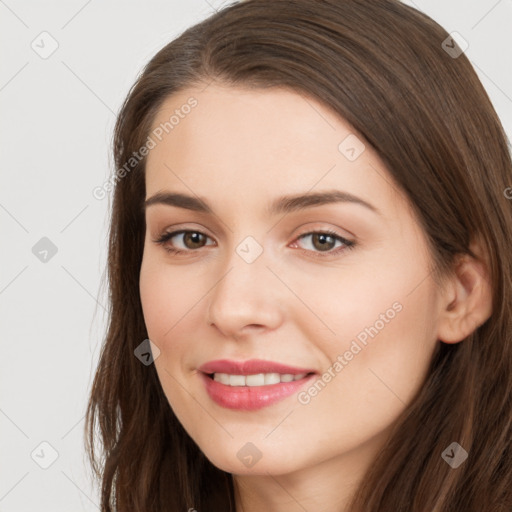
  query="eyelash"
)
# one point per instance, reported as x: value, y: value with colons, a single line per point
x: 348, y: 244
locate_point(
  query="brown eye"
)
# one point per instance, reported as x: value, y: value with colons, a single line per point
x: 320, y: 241
x: 182, y: 241
x: 193, y: 239
x: 323, y: 241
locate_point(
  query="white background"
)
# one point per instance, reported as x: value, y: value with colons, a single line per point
x: 57, y: 116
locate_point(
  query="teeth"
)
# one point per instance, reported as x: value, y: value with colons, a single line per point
x: 270, y: 378
x: 223, y: 378
x: 255, y: 380
x: 236, y: 380
x: 259, y: 379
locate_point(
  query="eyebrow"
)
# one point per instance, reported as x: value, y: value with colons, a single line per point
x: 284, y: 204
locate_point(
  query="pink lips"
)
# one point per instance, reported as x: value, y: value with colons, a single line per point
x: 250, y: 367
x: 250, y: 398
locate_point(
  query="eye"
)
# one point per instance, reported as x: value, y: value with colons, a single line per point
x: 322, y: 243
x: 190, y: 239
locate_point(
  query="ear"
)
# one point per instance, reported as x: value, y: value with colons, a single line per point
x: 467, y: 298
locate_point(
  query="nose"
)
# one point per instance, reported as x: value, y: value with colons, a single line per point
x: 248, y: 297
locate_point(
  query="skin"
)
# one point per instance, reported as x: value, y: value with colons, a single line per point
x: 288, y: 305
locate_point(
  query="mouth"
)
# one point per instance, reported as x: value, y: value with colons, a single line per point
x: 253, y: 384
x: 256, y: 379
x: 251, y: 367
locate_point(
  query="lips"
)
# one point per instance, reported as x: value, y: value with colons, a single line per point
x: 250, y: 367
x: 247, y: 397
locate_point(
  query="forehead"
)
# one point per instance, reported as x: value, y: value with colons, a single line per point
x: 246, y: 145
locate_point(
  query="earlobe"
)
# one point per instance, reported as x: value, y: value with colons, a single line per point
x: 467, y: 299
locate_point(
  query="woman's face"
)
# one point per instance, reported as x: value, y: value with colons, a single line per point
x: 334, y: 288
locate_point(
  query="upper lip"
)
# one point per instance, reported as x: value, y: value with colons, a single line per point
x: 250, y: 367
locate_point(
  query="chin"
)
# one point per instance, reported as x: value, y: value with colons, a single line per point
x: 238, y: 461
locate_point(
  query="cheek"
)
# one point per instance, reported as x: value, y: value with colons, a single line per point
x: 167, y: 296
x: 385, y: 347
x: 385, y: 325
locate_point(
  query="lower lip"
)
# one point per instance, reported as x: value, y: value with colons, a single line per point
x: 251, y: 398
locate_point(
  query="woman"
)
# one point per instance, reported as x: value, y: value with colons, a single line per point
x: 312, y: 226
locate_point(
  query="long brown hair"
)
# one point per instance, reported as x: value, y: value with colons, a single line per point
x: 383, y: 67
